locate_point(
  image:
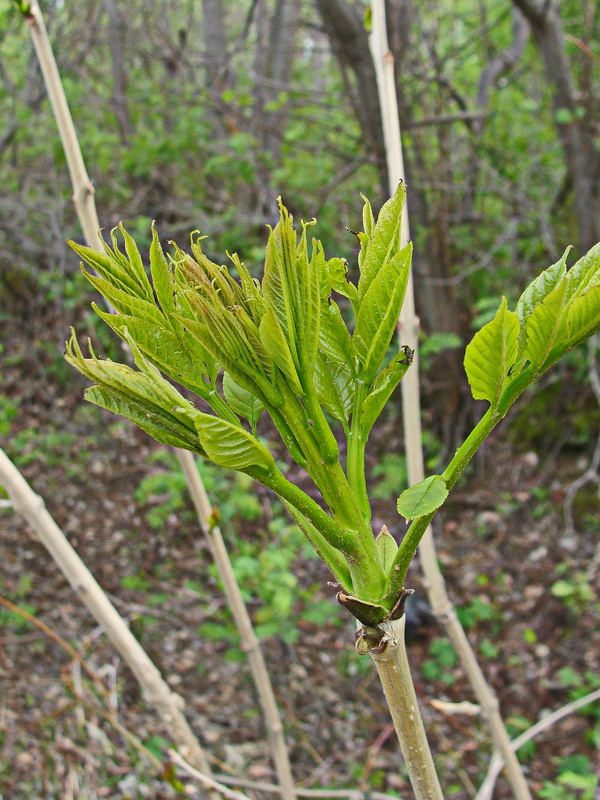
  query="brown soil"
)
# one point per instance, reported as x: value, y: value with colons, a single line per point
x: 502, y: 544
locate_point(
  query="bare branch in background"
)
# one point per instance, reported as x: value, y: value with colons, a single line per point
x: 502, y: 63
x: 156, y: 691
x: 581, y: 154
x: 591, y: 473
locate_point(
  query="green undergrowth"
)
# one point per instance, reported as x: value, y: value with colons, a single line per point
x: 576, y: 779
x: 264, y: 547
x: 164, y: 491
x: 564, y: 395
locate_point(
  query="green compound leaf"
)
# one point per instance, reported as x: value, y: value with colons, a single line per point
x: 110, y: 269
x: 136, y: 265
x: 583, y: 316
x: 310, y: 274
x: 585, y: 273
x: 144, y: 396
x: 338, y: 276
x: 378, y: 313
x: 276, y: 346
x: 382, y: 388
x: 334, y: 338
x: 537, y: 290
x: 335, y: 388
x: 368, y: 219
x: 491, y: 354
x: 164, y: 428
x: 423, y: 497
x: 125, y: 302
x: 281, y: 290
x: 162, y: 278
x: 545, y: 326
x: 230, y: 446
x: 541, y: 287
x: 380, y: 242
x: 242, y: 401
x: 559, y: 310
x: 167, y: 351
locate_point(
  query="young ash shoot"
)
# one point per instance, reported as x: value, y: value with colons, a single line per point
x: 282, y: 347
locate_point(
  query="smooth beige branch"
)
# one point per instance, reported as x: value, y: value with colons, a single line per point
x: 204, y: 780
x: 315, y: 794
x: 156, y: 691
x: 250, y: 642
x: 496, y: 762
x: 486, y: 697
x: 396, y: 679
x: 83, y: 190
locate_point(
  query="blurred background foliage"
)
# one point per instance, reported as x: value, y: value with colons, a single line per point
x: 199, y: 113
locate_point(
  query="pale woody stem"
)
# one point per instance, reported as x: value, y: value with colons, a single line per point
x: 394, y: 672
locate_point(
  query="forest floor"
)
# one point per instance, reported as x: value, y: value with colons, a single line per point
x: 527, y: 591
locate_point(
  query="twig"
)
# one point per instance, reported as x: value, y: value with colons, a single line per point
x: 373, y: 752
x: 204, y: 780
x: 591, y: 473
x: 487, y: 787
x: 445, y: 119
x: 77, y: 687
x: 57, y: 638
x: 465, y: 707
x: 243, y: 623
x: 111, y: 718
x: 156, y: 691
x: 83, y: 191
x: 316, y: 794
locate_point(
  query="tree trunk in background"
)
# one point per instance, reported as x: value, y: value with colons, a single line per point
x: 216, y: 64
x: 581, y: 156
x: 273, y: 66
x: 345, y: 28
x: 436, y: 299
x: 438, y: 305
x: 501, y: 63
x: 216, y: 52
x: 118, y: 48
x: 276, y: 36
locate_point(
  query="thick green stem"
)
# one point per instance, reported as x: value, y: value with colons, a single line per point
x: 414, y: 534
x: 367, y: 573
x: 327, y: 441
x: 346, y: 530
x: 327, y: 475
x: 288, y: 437
x: 455, y: 469
x: 396, y: 679
x: 344, y: 541
x: 356, y: 453
x: 452, y: 473
x: 470, y: 446
x: 298, y: 422
x: 332, y: 557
